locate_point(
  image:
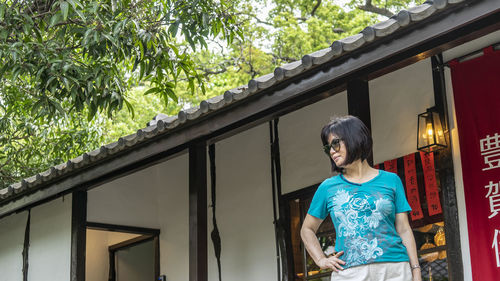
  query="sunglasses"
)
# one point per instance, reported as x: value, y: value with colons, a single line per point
x: 335, y: 145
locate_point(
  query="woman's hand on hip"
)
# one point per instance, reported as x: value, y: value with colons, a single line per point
x: 332, y: 262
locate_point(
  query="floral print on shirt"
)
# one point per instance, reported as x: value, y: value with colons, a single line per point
x: 358, y: 214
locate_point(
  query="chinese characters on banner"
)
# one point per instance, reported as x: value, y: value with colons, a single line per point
x: 391, y: 166
x: 476, y: 89
x: 412, y: 192
x: 431, y: 188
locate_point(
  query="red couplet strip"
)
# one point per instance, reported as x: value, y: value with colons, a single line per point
x: 391, y: 166
x: 377, y: 166
x: 431, y: 189
x: 412, y: 187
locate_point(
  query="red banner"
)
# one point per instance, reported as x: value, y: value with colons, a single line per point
x: 431, y: 188
x: 377, y: 166
x: 412, y: 187
x: 391, y: 166
x: 476, y: 89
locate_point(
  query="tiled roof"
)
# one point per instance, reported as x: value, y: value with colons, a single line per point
x: 161, y: 125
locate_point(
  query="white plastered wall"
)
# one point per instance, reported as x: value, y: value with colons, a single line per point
x: 303, y: 162
x: 11, y: 246
x: 50, y: 241
x: 395, y: 101
x: 156, y: 197
x: 462, y: 214
x: 244, y: 208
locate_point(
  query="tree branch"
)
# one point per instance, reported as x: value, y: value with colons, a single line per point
x: 315, y: 7
x: 368, y: 7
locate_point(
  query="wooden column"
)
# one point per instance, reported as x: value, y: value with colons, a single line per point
x: 444, y: 161
x: 78, y: 235
x: 198, y: 212
x: 358, y: 103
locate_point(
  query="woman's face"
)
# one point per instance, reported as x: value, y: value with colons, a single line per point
x: 339, y: 157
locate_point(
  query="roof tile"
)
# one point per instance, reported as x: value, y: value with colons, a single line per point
x: 421, y: 12
x: 352, y: 42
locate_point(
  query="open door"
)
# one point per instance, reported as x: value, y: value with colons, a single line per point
x: 133, y: 259
x: 121, y: 253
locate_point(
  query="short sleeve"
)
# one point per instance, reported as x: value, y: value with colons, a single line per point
x: 401, y: 202
x: 318, y: 207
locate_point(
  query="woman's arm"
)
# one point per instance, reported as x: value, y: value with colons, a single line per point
x: 308, y: 234
x: 406, y: 233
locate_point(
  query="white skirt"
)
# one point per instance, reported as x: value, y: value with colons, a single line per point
x: 383, y: 271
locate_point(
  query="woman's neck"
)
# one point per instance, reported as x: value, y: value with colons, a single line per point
x: 359, y: 171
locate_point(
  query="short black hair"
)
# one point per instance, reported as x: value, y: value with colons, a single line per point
x: 355, y: 135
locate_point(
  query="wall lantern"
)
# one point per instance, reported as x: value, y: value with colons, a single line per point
x: 430, y: 131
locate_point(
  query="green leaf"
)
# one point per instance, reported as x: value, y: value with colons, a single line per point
x: 129, y: 107
x: 55, y: 19
x: 57, y: 106
x: 173, y: 28
x: 172, y: 95
x: 64, y: 8
x: 2, y: 11
x: 152, y: 90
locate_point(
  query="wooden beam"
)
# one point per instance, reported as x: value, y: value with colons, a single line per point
x: 407, y: 46
x: 123, y: 228
x: 198, y: 261
x: 78, y: 235
x: 358, y: 103
x: 358, y: 100
x: 130, y: 242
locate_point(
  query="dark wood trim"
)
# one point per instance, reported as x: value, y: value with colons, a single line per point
x: 112, y: 266
x: 78, y: 235
x: 358, y: 104
x: 156, y: 241
x: 130, y: 243
x: 358, y: 100
x: 26, y: 247
x: 444, y: 161
x: 198, y: 260
x: 421, y: 40
x: 122, y: 228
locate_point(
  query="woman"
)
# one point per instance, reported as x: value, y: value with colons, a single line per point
x: 368, y: 207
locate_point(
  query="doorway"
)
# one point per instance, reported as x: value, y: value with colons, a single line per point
x: 121, y: 253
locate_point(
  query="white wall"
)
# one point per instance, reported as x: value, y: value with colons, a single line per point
x: 156, y: 197
x: 455, y: 145
x: 11, y: 246
x: 50, y: 241
x: 395, y: 101
x: 303, y: 162
x: 244, y: 208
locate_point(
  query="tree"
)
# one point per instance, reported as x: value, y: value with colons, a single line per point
x: 63, y: 59
x: 88, y: 54
x: 275, y: 32
x: 29, y: 145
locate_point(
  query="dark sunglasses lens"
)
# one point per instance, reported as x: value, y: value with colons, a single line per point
x: 336, y: 145
x: 326, y: 149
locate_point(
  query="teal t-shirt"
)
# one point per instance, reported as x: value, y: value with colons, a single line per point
x: 364, y: 216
